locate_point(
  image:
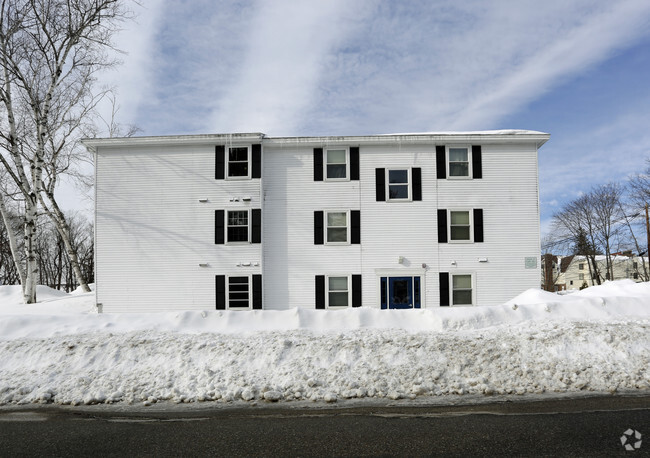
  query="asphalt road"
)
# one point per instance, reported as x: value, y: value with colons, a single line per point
x: 566, y: 427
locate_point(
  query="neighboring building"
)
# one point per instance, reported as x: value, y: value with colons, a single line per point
x: 246, y: 221
x: 574, y: 272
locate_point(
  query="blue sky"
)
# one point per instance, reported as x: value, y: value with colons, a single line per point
x: 579, y: 70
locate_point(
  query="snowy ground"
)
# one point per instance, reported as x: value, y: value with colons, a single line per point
x: 60, y: 351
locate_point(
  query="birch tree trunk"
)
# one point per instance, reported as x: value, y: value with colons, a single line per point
x: 13, y: 245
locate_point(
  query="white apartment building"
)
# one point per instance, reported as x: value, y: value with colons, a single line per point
x: 247, y: 221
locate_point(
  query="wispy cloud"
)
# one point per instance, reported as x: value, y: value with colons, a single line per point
x: 285, y: 54
x: 336, y: 67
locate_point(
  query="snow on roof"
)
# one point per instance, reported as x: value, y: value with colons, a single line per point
x: 478, y: 132
x: 485, y: 136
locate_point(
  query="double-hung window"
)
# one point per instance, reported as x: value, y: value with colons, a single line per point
x: 459, y: 162
x: 461, y: 289
x: 237, y: 226
x: 337, y: 227
x: 336, y: 164
x: 239, y: 292
x: 459, y: 226
x: 398, y: 184
x: 338, y: 292
x: 238, y: 162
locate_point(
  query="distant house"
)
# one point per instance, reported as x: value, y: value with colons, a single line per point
x: 247, y: 221
x: 574, y: 272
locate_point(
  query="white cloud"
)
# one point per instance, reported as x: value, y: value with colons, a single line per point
x: 314, y: 67
x: 566, y: 52
x: 284, y: 57
x: 132, y: 79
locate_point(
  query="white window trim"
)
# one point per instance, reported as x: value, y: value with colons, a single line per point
x: 347, y: 164
x: 250, y: 292
x: 451, y: 288
x: 471, y: 225
x: 410, y: 184
x: 248, y: 241
x: 470, y: 173
x: 248, y: 156
x: 347, y: 225
x: 327, y: 292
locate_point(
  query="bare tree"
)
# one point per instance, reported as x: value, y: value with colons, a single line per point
x: 576, y: 221
x: 606, y: 205
x: 50, y: 52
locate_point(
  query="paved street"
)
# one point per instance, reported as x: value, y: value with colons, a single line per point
x: 582, y: 427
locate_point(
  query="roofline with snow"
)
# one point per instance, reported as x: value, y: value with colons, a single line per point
x: 489, y: 136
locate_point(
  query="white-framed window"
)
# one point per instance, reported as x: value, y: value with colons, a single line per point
x: 460, y: 226
x: 398, y: 184
x: 337, y: 229
x: 239, y: 292
x: 581, y: 276
x: 462, y: 289
x: 337, y: 164
x: 237, y: 226
x: 338, y: 291
x: 581, y: 266
x: 459, y: 164
x: 238, y: 165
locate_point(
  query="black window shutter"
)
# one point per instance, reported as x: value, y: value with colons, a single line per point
x: 444, y: 289
x: 356, y: 290
x: 318, y: 228
x: 354, y: 163
x: 318, y: 164
x: 417, y: 183
x: 219, y: 229
x: 257, y: 292
x: 441, y: 163
x: 257, y: 225
x: 257, y: 161
x: 380, y: 181
x: 221, y: 292
x: 320, y: 291
x: 477, y: 165
x: 442, y: 226
x: 478, y: 225
x: 355, y: 217
x: 220, y: 164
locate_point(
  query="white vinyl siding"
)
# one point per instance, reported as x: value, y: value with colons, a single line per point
x: 156, y: 204
x: 155, y: 244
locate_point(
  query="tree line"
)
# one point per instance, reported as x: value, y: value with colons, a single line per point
x: 54, y: 267
x: 51, y: 52
x: 609, y: 219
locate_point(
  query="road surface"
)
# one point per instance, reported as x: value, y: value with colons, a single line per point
x: 565, y: 427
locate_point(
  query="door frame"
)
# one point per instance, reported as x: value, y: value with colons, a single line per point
x: 400, y: 273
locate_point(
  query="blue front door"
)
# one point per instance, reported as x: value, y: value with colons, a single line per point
x: 400, y: 292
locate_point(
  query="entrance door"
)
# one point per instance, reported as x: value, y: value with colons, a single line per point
x: 400, y: 292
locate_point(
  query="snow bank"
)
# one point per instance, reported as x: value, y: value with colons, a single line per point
x: 59, y: 351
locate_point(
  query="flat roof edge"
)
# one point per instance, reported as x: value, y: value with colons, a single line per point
x: 494, y: 136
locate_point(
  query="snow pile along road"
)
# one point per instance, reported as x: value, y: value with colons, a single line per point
x: 596, y: 340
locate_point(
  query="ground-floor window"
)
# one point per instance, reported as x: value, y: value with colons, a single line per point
x: 238, y: 292
x: 461, y: 289
x: 338, y: 292
x: 400, y: 292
